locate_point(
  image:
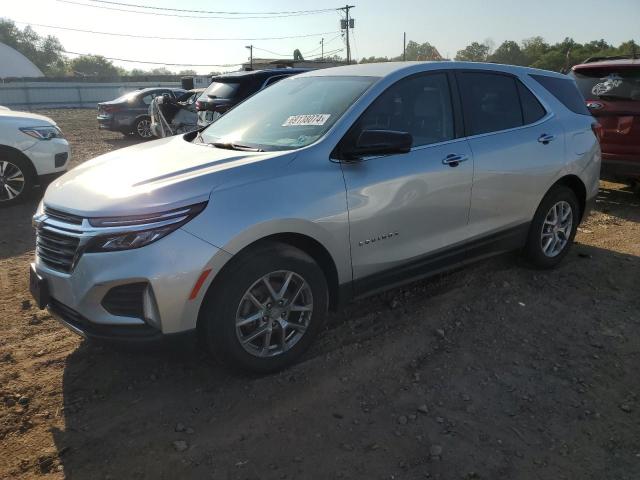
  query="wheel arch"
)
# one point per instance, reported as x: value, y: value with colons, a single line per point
x: 7, y: 150
x: 305, y: 243
x: 577, y: 186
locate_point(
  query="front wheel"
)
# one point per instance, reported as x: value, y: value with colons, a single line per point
x: 553, y: 228
x: 15, y: 180
x: 265, y: 311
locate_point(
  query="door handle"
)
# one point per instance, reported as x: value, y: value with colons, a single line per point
x: 454, y: 159
x: 545, y: 138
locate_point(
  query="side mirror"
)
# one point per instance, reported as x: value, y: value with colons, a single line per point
x: 380, y: 142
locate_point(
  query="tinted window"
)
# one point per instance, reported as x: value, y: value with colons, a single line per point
x: 222, y: 90
x: 150, y: 96
x: 420, y: 105
x: 610, y: 84
x: 532, y: 111
x: 491, y: 102
x: 564, y: 90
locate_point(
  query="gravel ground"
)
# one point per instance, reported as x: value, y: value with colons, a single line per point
x: 496, y: 371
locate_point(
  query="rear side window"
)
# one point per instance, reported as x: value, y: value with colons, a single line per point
x: 491, y: 102
x: 565, y: 91
x: 532, y: 111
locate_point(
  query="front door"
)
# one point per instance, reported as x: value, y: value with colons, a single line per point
x: 403, y: 207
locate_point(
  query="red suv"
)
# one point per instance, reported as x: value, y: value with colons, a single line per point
x: 611, y: 88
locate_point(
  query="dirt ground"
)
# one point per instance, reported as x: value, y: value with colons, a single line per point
x: 496, y: 371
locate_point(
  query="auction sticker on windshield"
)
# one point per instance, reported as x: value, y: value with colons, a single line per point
x: 316, y: 119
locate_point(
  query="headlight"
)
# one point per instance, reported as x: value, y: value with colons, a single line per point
x: 127, y: 233
x: 43, y: 133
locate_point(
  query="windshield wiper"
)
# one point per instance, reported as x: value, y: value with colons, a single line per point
x: 236, y: 146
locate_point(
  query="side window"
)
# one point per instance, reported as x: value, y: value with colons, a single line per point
x: 420, y: 105
x: 490, y: 101
x: 564, y: 90
x: 148, y: 97
x: 532, y: 110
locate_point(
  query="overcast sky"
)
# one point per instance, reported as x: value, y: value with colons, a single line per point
x: 449, y: 25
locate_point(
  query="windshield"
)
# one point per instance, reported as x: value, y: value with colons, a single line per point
x: 222, y: 90
x: 291, y: 114
x: 609, y: 84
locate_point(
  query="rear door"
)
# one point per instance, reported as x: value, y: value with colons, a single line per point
x: 404, y: 207
x: 517, y: 147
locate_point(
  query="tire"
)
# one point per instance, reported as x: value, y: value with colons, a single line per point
x: 228, y: 303
x: 16, y: 179
x: 142, y: 128
x: 546, y: 248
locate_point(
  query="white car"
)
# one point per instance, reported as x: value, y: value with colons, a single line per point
x: 33, y: 152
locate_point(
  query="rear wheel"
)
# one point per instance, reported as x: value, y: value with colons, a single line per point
x: 16, y: 181
x: 553, y: 228
x: 266, y: 310
x: 143, y: 128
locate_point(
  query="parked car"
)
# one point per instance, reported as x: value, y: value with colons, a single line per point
x: 227, y: 90
x: 33, y: 152
x: 172, y: 116
x: 611, y: 89
x: 330, y: 185
x: 129, y: 114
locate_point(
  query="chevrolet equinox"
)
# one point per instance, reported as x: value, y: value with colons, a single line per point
x: 329, y: 185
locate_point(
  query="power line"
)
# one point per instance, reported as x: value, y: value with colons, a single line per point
x: 173, y: 15
x: 285, y: 12
x: 171, y: 38
x: 159, y: 63
x: 287, y: 55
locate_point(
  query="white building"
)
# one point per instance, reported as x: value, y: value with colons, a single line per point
x: 14, y: 64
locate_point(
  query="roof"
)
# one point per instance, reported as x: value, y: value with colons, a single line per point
x: 383, y: 69
x: 612, y: 62
x: 261, y: 73
x: 13, y: 64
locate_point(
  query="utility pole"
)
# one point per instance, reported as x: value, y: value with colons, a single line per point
x: 348, y: 24
x: 404, y: 47
x: 250, y: 47
x: 322, y: 49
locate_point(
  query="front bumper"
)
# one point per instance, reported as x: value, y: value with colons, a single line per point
x: 49, y: 156
x: 170, y: 267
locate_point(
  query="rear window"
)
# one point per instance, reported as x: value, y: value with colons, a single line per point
x: 565, y: 91
x: 222, y: 90
x: 532, y: 111
x: 608, y: 84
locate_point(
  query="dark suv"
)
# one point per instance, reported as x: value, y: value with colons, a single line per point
x: 611, y: 88
x: 230, y: 89
x: 129, y: 114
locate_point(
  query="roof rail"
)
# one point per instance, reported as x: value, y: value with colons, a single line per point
x: 633, y: 56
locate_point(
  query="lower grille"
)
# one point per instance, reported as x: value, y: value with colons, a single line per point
x: 56, y: 250
x: 96, y: 330
x: 126, y: 300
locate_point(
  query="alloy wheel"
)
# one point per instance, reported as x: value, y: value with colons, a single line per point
x: 274, y: 314
x: 144, y: 128
x: 556, y: 229
x: 12, y: 181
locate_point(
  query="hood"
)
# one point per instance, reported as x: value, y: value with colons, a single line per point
x: 27, y: 118
x: 155, y: 176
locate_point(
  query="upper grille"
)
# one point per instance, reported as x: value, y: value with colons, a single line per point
x: 62, y: 216
x: 56, y: 250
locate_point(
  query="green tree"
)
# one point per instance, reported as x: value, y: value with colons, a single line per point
x: 187, y: 72
x: 534, y: 48
x: 94, y: 66
x: 421, y: 51
x: 297, y: 56
x: 475, y: 52
x: 509, y: 53
x: 373, y: 59
x: 45, y: 52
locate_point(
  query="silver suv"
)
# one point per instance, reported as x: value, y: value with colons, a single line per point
x: 330, y: 185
